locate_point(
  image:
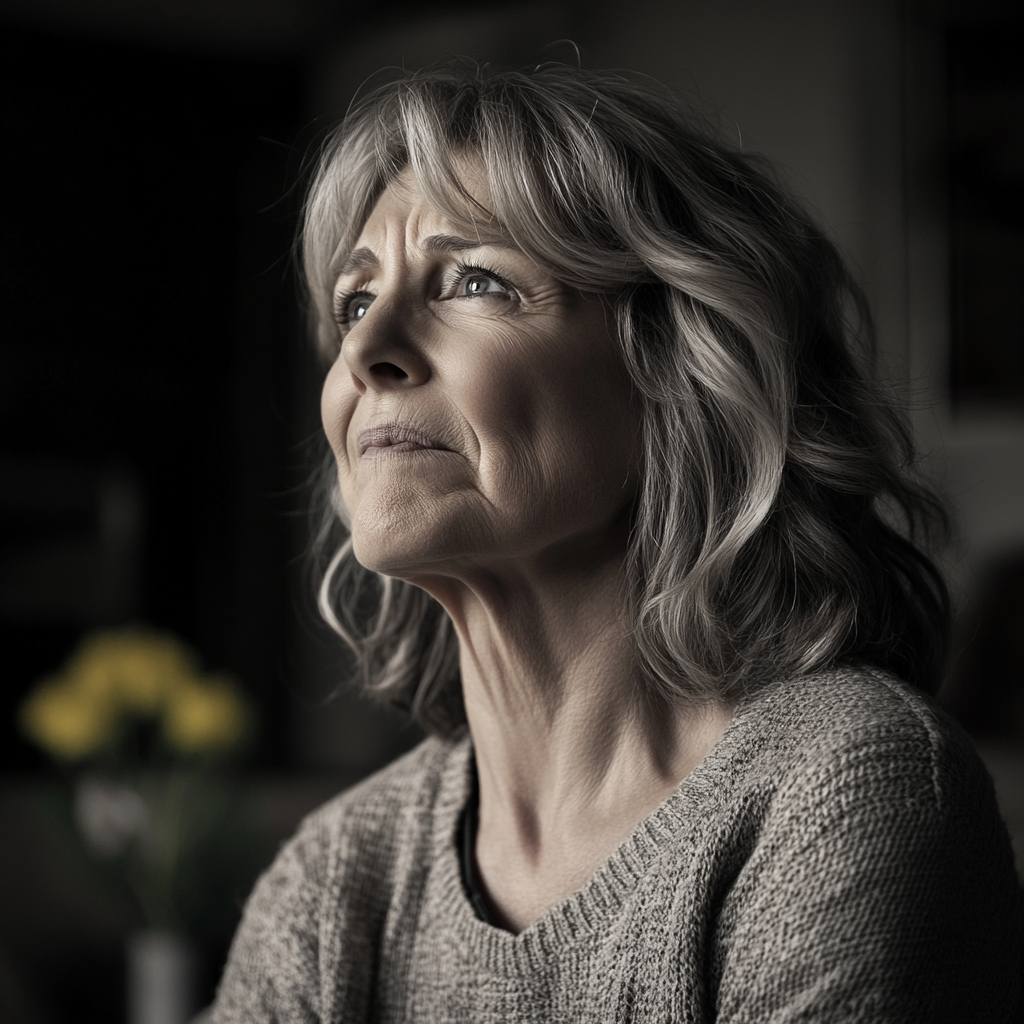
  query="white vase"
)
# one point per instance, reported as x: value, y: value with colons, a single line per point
x: 161, y: 978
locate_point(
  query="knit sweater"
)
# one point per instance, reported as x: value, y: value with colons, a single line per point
x: 838, y: 856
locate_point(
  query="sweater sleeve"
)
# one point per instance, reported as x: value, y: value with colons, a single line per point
x: 272, y: 973
x: 307, y: 948
x: 881, y: 890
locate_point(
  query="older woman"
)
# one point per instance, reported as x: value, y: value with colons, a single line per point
x: 627, y: 528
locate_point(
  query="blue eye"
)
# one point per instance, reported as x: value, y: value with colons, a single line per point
x: 473, y: 285
x: 358, y: 307
x: 351, y: 308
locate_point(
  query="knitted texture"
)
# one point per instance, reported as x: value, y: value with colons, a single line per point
x: 837, y: 857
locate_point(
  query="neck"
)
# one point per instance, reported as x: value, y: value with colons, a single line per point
x: 570, y: 753
x: 548, y: 671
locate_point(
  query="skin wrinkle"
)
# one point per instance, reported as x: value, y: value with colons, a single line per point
x: 520, y: 533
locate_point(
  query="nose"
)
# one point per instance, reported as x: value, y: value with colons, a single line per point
x: 381, y: 352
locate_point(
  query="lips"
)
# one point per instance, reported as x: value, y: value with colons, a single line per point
x: 392, y: 438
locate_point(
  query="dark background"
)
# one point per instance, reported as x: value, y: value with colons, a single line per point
x: 150, y: 338
x: 151, y: 455
x: 158, y: 419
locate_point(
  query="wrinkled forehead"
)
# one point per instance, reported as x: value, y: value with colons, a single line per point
x: 422, y: 205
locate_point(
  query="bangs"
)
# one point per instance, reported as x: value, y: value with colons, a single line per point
x: 558, y: 190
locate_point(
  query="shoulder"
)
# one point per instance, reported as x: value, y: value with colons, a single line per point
x: 846, y: 700
x: 390, y: 800
x: 865, y: 728
x: 877, y: 880
x: 326, y: 894
x: 856, y: 775
x: 361, y: 828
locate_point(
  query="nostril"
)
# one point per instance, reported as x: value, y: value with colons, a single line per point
x: 388, y: 371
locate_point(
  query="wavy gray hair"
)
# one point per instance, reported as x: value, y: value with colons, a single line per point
x: 779, y: 516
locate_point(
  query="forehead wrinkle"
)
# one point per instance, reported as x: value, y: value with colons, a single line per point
x: 364, y: 257
x: 453, y: 243
x: 420, y: 210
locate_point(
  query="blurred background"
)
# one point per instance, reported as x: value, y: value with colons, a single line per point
x: 158, y: 397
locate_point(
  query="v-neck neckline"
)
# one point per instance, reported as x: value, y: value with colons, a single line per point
x: 576, y: 916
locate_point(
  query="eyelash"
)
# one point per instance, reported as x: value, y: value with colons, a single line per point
x: 464, y: 270
x: 343, y: 300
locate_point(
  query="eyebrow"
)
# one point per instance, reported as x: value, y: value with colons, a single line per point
x: 453, y: 243
x: 364, y: 257
x: 357, y: 260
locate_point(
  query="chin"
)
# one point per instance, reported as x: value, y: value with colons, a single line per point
x: 383, y: 556
x: 399, y: 547
x: 408, y: 531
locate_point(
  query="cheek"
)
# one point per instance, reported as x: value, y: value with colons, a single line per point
x: 553, y: 417
x: 495, y: 388
x: 336, y: 406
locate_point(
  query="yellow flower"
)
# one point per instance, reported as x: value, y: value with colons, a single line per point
x: 65, y: 721
x: 205, y: 716
x: 136, y: 670
x: 117, y: 677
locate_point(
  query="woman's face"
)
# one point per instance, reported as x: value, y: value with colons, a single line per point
x: 479, y: 410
